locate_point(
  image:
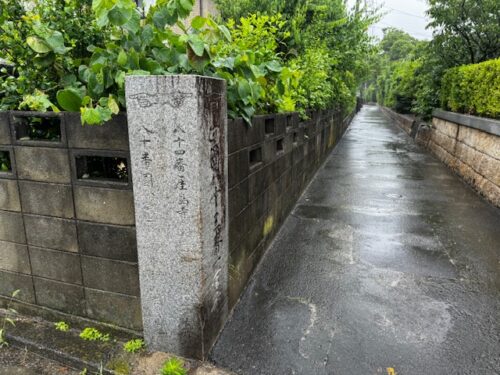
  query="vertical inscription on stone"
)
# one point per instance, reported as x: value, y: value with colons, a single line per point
x: 177, y: 145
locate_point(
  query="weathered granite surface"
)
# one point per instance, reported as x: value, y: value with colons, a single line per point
x: 177, y: 127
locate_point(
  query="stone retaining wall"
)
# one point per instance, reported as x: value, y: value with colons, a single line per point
x: 405, y: 122
x: 469, y: 145
x: 68, y: 240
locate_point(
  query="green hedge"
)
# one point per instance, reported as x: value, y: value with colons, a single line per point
x: 473, y: 89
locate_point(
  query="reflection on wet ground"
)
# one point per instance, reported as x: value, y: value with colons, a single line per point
x: 388, y: 261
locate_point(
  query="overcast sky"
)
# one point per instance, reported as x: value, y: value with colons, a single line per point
x: 408, y: 15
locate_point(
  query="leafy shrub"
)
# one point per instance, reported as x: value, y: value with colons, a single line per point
x: 173, y: 366
x: 258, y: 80
x: 134, y: 346
x: 473, y: 89
x: 401, y: 90
x: 80, y: 52
x: 89, y: 76
x: 315, y: 89
x: 93, y: 334
x: 58, y: 34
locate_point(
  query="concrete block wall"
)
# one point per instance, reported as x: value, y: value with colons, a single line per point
x: 68, y: 242
x: 270, y: 164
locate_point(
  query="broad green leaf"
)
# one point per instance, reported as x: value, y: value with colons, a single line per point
x: 69, y: 100
x: 95, y: 116
x: 151, y: 66
x: 56, y: 42
x: 38, y: 45
x: 225, y: 31
x: 187, y: 5
x: 122, y: 58
x: 197, y: 45
x: 198, y: 22
x: 139, y: 72
x: 133, y: 25
x: 113, y: 106
x: 119, y: 16
x: 257, y: 72
x: 46, y: 59
x: 274, y: 66
x: 120, y: 79
x: 244, y: 90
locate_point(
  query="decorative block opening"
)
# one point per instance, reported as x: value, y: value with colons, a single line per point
x: 5, y: 164
x: 102, y: 168
x: 255, y: 157
x: 37, y: 128
x: 289, y: 121
x: 280, y: 145
x: 269, y: 127
x: 295, y: 137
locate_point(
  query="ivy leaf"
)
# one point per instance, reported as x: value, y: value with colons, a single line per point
x: 69, y: 99
x: 38, y: 45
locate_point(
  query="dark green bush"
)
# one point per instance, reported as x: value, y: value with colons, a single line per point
x: 473, y: 89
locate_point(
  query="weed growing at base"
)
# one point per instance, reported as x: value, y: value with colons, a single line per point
x: 93, y: 334
x: 174, y: 366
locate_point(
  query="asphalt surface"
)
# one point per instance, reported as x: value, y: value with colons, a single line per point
x: 389, y: 264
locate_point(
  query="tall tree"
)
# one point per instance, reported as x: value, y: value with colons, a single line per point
x: 466, y: 31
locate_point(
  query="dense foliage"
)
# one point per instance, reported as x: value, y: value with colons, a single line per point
x: 324, y: 40
x: 74, y: 55
x: 473, y: 89
x: 407, y: 74
x: 58, y: 34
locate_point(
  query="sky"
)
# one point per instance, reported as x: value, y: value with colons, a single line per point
x: 408, y: 15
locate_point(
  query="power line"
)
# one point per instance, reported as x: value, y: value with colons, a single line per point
x: 406, y: 13
x: 399, y: 27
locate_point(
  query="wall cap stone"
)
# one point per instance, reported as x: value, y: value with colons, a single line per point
x: 487, y: 125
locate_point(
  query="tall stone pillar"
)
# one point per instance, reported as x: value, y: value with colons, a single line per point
x: 177, y: 131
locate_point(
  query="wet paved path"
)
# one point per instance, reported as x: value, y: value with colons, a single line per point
x: 388, y: 261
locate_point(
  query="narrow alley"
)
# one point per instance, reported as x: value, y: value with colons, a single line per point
x: 389, y: 262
